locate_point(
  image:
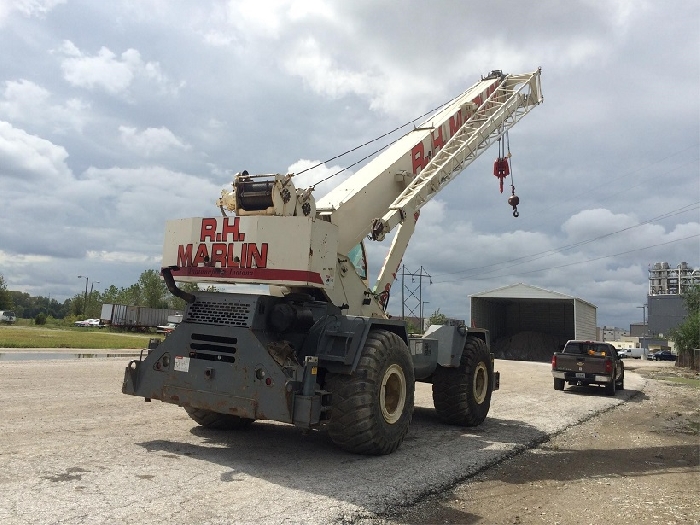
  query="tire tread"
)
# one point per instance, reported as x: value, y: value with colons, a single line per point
x: 354, y: 423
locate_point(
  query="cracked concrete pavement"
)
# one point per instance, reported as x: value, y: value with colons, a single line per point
x: 75, y: 450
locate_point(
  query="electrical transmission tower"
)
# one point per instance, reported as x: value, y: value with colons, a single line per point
x: 412, y: 303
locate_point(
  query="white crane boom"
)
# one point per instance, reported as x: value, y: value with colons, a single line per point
x: 513, y: 98
x: 373, y: 190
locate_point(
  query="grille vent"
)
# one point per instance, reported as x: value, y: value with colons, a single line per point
x: 213, y: 348
x: 218, y: 312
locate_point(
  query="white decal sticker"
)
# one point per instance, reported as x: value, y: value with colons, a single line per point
x: 182, y: 364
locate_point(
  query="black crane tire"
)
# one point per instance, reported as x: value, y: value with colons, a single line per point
x: 462, y: 395
x: 372, y: 408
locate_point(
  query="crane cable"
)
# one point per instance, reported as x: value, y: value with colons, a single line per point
x: 513, y: 200
x: 370, y: 142
x: 503, y: 167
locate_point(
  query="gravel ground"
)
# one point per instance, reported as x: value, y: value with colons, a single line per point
x: 637, y: 463
x: 74, y: 450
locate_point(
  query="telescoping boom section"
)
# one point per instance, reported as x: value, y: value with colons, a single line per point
x: 319, y: 351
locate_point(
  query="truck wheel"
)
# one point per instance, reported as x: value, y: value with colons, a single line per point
x: 610, y: 388
x: 621, y: 384
x: 559, y: 384
x: 372, y: 408
x: 216, y: 421
x: 462, y: 395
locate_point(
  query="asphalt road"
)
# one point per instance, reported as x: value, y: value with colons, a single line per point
x: 75, y: 450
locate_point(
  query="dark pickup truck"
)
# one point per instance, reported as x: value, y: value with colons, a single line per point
x: 588, y: 363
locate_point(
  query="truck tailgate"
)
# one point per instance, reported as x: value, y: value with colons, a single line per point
x: 591, y: 364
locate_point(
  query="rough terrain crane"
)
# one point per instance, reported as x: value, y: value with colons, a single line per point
x: 320, y: 351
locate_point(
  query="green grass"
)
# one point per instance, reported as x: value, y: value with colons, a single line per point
x: 45, y: 337
x: 687, y: 381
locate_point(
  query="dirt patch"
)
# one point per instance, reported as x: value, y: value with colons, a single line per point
x: 637, y: 463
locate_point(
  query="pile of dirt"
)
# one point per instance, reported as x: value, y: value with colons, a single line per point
x: 528, y: 346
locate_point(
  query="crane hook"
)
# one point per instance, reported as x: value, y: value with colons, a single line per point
x: 514, y: 200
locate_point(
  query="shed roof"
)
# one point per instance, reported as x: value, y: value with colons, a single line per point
x: 525, y: 291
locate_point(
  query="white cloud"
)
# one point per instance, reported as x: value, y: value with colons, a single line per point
x: 151, y: 141
x: 621, y: 12
x: 142, y: 199
x: 219, y: 38
x: 314, y: 173
x: 122, y: 257
x: 375, y: 81
x: 25, y: 101
x: 21, y: 95
x: 268, y: 18
x: 115, y: 74
x: 596, y: 222
x: 103, y: 70
x: 27, y: 157
x: 29, y: 8
x: 307, y: 60
x: 19, y: 260
x: 5, y: 9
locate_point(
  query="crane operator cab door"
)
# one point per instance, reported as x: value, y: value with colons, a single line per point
x: 358, y: 258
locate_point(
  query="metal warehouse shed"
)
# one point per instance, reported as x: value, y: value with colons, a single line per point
x: 519, y: 308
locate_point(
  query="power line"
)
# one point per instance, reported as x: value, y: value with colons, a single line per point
x: 539, y: 255
x: 575, y: 263
x: 577, y: 193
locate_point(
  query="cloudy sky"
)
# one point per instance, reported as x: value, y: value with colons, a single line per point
x: 117, y: 116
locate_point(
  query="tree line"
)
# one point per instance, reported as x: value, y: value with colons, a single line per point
x: 149, y: 291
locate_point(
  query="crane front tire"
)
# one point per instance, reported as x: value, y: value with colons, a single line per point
x: 462, y: 395
x: 372, y: 408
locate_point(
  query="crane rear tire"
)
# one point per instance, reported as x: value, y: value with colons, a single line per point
x: 371, y: 409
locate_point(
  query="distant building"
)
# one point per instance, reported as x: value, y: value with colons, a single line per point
x: 653, y: 344
x: 664, y: 280
x: 665, y: 312
x: 611, y: 333
x: 665, y: 306
x: 638, y: 329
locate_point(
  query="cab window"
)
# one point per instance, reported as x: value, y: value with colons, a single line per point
x: 358, y: 258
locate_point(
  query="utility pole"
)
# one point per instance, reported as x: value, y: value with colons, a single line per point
x: 91, y: 287
x: 403, y: 297
x: 86, y: 287
x: 644, y: 316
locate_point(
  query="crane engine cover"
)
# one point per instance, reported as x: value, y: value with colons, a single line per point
x: 252, y: 250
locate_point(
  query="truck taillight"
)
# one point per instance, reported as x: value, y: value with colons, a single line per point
x: 554, y: 361
x: 608, y: 366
